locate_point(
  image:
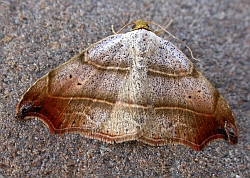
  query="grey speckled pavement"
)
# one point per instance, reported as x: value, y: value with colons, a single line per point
x: 37, y: 36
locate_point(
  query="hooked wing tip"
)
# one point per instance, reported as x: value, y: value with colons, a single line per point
x: 22, y: 109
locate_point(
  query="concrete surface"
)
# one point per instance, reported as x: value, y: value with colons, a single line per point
x: 36, y: 36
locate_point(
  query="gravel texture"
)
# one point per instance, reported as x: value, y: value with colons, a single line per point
x: 36, y: 36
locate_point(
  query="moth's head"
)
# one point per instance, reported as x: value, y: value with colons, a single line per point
x: 140, y: 24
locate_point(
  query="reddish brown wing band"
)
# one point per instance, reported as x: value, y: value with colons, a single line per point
x: 133, y: 86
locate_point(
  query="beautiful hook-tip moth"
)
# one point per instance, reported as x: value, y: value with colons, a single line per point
x: 132, y: 86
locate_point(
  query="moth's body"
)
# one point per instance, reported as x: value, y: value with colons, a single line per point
x: 133, y: 86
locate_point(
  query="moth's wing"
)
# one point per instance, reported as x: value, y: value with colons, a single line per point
x: 81, y: 95
x: 187, y: 109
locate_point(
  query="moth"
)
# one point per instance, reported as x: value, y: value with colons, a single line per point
x: 132, y: 86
